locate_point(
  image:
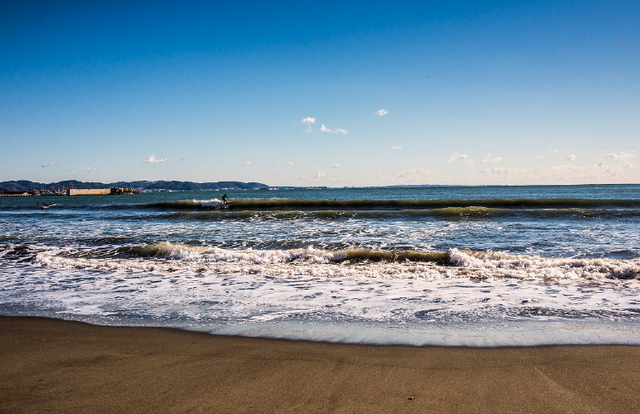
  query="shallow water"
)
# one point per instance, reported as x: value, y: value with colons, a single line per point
x: 479, y: 266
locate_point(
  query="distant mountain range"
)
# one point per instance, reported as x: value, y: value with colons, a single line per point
x: 23, y: 185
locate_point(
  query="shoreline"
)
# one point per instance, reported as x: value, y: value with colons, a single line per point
x: 62, y: 366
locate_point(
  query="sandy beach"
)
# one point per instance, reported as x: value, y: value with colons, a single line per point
x: 58, y: 366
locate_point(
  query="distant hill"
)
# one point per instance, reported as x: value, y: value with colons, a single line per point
x: 23, y: 185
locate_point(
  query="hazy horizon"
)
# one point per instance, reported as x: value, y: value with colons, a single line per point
x: 327, y: 186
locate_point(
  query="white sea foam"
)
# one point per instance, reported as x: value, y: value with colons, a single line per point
x: 169, y: 257
x: 314, y: 294
x: 449, y: 311
x: 216, y: 203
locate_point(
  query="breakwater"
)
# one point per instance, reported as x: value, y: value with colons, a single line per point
x: 25, y: 194
x: 92, y: 191
x: 100, y: 191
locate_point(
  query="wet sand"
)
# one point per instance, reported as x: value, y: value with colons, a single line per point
x: 55, y: 366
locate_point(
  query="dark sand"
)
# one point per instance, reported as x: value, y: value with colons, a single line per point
x: 56, y: 366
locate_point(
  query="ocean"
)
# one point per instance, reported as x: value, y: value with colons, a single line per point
x: 452, y: 266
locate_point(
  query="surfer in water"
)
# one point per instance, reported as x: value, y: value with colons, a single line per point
x: 225, y: 201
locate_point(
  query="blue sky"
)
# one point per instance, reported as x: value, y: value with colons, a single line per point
x: 321, y: 93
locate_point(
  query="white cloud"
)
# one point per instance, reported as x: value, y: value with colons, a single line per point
x: 289, y: 164
x: 382, y: 112
x: 247, y: 163
x: 570, y: 173
x: 333, y: 131
x: 555, y: 151
x: 335, y: 166
x: 504, y: 170
x: 321, y: 175
x: 458, y: 156
x: 153, y: 159
x: 612, y: 170
x: 468, y: 164
x: 488, y: 160
x: 565, y: 168
x: 48, y: 164
x: 397, y: 147
x: 419, y: 171
x: 497, y: 170
x: 571, y: 157
x: 308, y: 121
x: 415, y: 173
x: 622, y: 156
x: 530, y: 170
x: 183, y: 158
x: 88, y: 169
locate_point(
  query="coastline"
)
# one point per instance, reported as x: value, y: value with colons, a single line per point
x: 61, y: 366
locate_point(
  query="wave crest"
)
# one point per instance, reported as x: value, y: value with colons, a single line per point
x: 456, y: 263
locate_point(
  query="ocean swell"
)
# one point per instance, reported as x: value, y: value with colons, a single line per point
x: 350, y: 263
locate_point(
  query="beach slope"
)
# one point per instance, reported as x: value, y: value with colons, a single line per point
x: 56, y: 366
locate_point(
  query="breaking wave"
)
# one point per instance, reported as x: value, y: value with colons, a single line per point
x: 347, y: 263
x: 472, y: 212
x: 278, y: 203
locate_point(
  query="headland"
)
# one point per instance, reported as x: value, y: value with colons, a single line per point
x: 22, y: 188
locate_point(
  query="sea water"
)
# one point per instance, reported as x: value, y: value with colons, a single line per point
x: 475, y: 266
